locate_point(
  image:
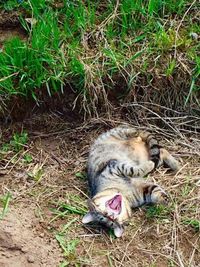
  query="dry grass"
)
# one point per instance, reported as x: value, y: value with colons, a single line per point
x: 54, y: 184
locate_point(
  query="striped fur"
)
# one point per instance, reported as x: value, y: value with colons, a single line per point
x: 118, y: 161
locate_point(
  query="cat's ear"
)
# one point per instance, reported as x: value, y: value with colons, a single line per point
x: 88, y: 218
x: 118, y: 231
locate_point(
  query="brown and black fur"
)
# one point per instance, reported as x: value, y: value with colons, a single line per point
x: 118, y: 161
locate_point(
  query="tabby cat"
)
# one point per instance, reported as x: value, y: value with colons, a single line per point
x: 118, y: 161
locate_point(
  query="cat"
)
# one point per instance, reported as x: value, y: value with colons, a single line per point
x: 118, y: 162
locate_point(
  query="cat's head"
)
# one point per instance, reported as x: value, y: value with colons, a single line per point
x: 110, y: 208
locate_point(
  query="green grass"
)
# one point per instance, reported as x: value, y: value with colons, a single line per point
x: 75, y: 205
x: 28, y: 158
x: 81, y: 175
x: 36, y: 173
x: 16, y: 149
x: 158, y: 211
x: 68, y: 244
x: 16, y: 144
x: 4, y: 201
x: 72, y: 209
x: 94, y: 45
x: 193, y: 223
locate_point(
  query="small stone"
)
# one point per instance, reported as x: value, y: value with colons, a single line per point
x: 30, y: 259
x: 24, y: 249
x: 42, y: 235
x: 194, y: 35
x: 7, y: 255
x: 76, y: 163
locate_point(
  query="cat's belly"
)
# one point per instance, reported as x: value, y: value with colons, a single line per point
x: 130, y: 150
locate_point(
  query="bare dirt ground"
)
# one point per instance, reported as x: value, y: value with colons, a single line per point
x: 42, y: 226
x: 10, y: 27
x: 45, y: 183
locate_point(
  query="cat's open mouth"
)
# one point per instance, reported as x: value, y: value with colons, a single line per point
x: 115, y: 204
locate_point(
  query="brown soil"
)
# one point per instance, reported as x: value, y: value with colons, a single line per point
x: 28, y: 231
x: 6, y: 34
x: 10, y: 27
x: 23, y: 241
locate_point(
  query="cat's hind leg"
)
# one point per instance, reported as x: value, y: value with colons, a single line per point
x: 154, y: 194
x: 147, y: 193
x: 168, y: 160
x: 131, y: 170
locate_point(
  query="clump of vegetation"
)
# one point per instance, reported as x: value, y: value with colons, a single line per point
x: 15, y: 149
x: 194, y: 223
x: 101, y: 48
x: 4, y: 202
x: 17, y: 143
x: 69, y: 246
x: 158, y: 211
x: 76, y: 206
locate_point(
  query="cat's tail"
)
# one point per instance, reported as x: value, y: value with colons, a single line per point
x: 152, y: 146
x: 157, y: 154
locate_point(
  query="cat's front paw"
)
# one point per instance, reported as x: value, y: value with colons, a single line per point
x: 150, y: 166
x: 159, y: 196
x: 163, y: 198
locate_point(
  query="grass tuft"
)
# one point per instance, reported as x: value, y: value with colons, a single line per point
x: 194, y: 223
x: 158, y: 211
x: 94, y: 45
x: 5, y: 200
x: 16, y: 144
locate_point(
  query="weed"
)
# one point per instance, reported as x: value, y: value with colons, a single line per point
x: 17, y: 143
x: 28, y: 158
x: 68, y: 246
x: 186, y: 189
x: 157, y: 211
x: 81, y: 175
x: 5, y: 148
x: 5, y: 200
x: 72, y: 209
x: 170, y: 68
x: 37, y: 173
x: 66, y: 226
x: 77, y: 206
x: 59, y: 214
x: 194, y: 223
x: 10, y: 4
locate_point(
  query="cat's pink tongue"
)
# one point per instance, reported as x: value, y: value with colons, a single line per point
x: 115, y: 203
